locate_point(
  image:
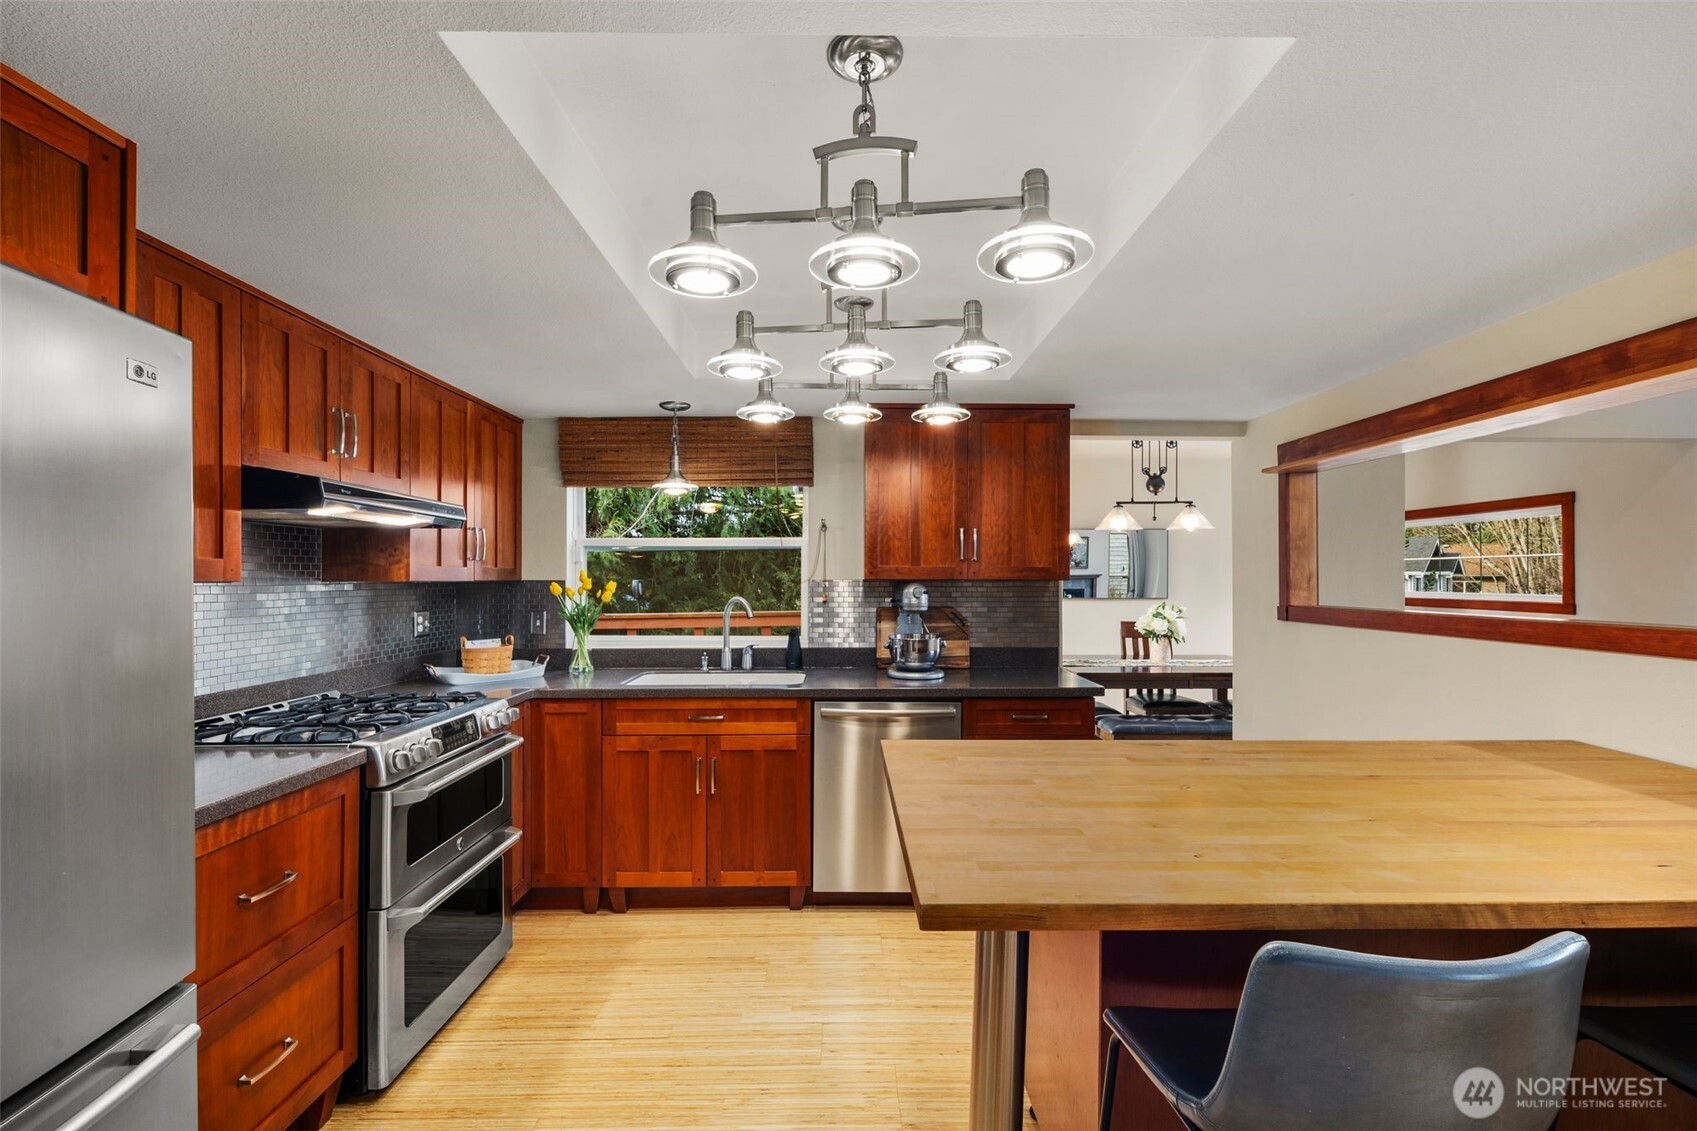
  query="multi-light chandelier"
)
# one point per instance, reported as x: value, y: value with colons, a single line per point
x: 862, y: 257
x: 1154, y: 471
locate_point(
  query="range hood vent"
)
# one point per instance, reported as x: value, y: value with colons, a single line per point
x: 285, y: 498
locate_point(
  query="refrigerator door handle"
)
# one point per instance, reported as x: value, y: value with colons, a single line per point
x: 151, y: 1065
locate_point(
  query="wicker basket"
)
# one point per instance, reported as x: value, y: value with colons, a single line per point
x: 492, y: 659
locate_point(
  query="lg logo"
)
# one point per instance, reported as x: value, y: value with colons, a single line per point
x: 1478, y: 1093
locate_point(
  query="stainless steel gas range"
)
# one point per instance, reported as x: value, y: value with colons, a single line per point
x: 438, y: 831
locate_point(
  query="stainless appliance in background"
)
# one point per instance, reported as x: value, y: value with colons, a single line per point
x: 914, y: 649
x: 96, y: 694
x: 439, y: 832
x: 855, y: 844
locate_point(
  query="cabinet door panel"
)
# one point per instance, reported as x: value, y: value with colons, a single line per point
x: 289, y: 386
x: 208, y: 312
x: 916, y: 500
x: 563, y: 802
x: 441, y: 467
x: 653, y: 812
x: 66, y: 211
x: 495, y: 495
x: 376, y: 394
x: 1020, y: 490
x: 759, y: 814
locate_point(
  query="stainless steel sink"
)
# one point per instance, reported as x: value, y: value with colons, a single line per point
x: 717, y: 679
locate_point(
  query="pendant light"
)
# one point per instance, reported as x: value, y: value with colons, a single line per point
x: 972, y: 351
x: 856, y: 357
x: 940, y: 409
x: 1035, y: 250
x: 744, y: 361
x: 863, y: 258
x: 701, y: 266
x: 675, y: 484
x: 1190, y: 519
x: 1119, y: 520
x: 851, y: 409
x: 765, y: 408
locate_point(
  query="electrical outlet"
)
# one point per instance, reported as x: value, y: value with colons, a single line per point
x: 539, y: 622
x: 420, y: 624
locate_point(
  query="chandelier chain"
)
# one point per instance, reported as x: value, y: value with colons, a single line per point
x: 866, y: 114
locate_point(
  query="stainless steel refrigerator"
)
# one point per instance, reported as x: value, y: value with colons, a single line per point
x: 97, y: 1027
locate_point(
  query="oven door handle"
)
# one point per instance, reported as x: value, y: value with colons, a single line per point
x: 399, y: 921
x: 403, y: 797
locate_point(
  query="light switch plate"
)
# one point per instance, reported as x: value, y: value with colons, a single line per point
x: 420, y: 624
x: 539, y: 622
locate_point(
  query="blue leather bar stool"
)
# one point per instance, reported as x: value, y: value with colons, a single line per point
x: 1332, y: 1039
x: 1661, y: 1039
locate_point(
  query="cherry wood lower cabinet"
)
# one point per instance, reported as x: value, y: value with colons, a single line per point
x: 562, y: 795
x: 716, y: 794
x: 277, y: 957
x: 1028, y: 718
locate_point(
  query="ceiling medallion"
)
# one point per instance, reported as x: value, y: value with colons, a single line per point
x: 1036, y: 249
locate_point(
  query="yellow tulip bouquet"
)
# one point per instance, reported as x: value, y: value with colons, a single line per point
x: 580, y: 607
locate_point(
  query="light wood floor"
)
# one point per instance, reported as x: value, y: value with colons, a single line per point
x: 736, y: 1018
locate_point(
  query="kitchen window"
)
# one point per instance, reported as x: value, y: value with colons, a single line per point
x: 677, y: 560
x: 1505, y: 554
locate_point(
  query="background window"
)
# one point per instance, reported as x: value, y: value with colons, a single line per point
x: 677, y: 560
x: 1502, y: 554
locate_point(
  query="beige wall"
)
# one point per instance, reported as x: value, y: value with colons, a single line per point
x: 837, y: 498
x: 1361, y: 534
x: 1317, y: 681
x: 543, y: 504
x: 1199, y: 564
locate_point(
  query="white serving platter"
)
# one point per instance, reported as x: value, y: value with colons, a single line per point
x: 459, y: 677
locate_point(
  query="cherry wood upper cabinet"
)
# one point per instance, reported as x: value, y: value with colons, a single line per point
x: 917, y: 499
x: 441, y: 470
x: 67, y: 204
x: 759, y: 811
x: 374, y: 401
x: 207, y: 311
x: 1019, y: 466
x: 495, y: 496
x: 653, y: 812
x: 986, y: 498
x: 563, y: 795
x: 291, y: 419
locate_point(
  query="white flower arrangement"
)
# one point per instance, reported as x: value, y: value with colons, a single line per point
x: 1163, y: 622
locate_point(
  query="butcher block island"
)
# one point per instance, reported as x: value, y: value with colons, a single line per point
x: 1150, y: 877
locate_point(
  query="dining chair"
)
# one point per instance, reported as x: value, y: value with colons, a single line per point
x: 1152, y: 700
x: 1326, y: 1038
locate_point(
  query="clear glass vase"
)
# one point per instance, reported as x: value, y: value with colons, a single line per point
x: 581, y: 663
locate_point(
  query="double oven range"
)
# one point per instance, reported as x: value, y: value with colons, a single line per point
x: 438, y: 830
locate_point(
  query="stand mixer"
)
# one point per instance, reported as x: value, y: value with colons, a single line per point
x: 913, y: 648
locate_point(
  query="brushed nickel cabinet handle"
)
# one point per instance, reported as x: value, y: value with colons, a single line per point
x: 707, y: 718
x: 975, y: 543
x: 1029, y: 718
x: 713, y: 778
x: 355, y: 453
x: 289, y: 877
x: 248, y: 1080
x: 960, y: 534
x: 698, y: 777
x: 341, y: 426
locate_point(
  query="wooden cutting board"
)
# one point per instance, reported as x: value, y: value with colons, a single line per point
x: 941, y: 619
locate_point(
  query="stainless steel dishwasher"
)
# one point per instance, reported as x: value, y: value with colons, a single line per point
x: 855, y: 846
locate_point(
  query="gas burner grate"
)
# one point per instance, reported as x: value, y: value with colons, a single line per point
x: 330, y: 719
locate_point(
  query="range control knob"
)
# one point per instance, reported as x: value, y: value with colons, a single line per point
x: 397, y: 760
x: 419, y: 753
x: 509, y: 716
x: 433, y: 748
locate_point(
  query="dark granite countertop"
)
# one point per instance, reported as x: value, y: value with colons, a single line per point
x: 821, y: 683
x: 226, y: 782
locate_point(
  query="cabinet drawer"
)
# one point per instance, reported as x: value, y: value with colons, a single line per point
x: 706, y: 716
x: 1028, y: 718
x: 270, y: 880
x: 280, y: 1043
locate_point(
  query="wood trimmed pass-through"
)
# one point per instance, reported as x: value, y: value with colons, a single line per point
x: 1652, y: 364
x: 1567, y: 606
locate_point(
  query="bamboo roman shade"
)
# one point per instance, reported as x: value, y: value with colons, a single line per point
x: 718, y: 451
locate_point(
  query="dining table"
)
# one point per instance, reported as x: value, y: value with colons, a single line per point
x: 1097, y: 873
x: 1204, y: 671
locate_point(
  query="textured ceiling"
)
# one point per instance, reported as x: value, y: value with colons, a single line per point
x: 1405, y: 174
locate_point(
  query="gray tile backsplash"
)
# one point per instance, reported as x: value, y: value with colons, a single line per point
x: 1002, y: 614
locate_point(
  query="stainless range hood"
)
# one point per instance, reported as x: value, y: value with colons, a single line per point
x: 286, y: 498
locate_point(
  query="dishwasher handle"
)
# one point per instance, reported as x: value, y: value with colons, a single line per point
x: 941, y: 712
